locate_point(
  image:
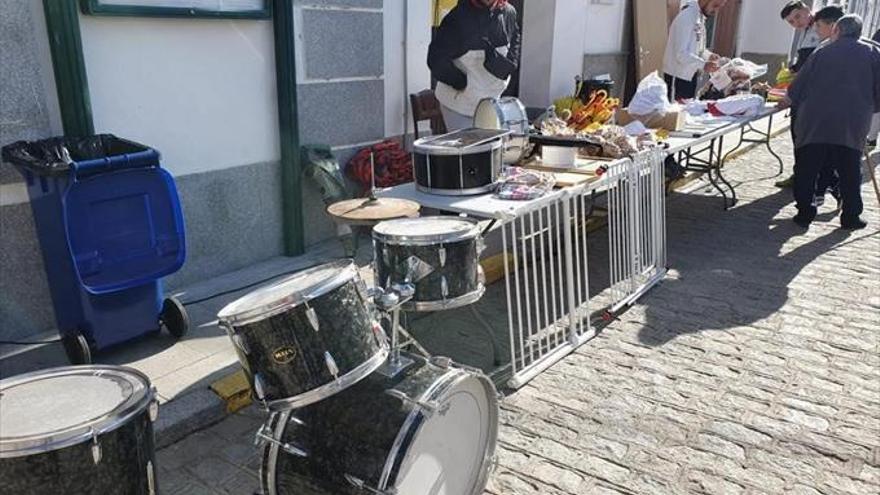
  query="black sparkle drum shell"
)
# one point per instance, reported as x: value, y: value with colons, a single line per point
x: 307, y: 336
x: 74, y: 439
x: 457, y: 171
x: 439, y: 256
x: 368, y: 437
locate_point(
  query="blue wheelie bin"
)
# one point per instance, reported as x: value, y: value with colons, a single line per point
x: 110, y: 227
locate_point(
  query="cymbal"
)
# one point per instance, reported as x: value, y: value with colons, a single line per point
x: 366, y: 211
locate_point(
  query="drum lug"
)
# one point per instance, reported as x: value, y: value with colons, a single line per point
x: 381, y: 336
x: 264, y: 436
x: 481, y: 244
x: 362, y: 485
x: 259, y: 389
x: 429, y: 408
x: 153, y: 410
x: 239, y: 342
x: 442, y: 254
x: 312, y: 315
x: 331, y: 365
x: 97, y: 454
x: 151, y: 479
x: 444, y: 286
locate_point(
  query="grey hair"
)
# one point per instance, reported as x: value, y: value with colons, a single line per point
x: 850, y: 26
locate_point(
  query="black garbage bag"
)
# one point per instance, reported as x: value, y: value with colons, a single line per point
x: 54, y: 156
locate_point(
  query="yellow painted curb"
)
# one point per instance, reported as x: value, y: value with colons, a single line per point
x: 493, y: 268
x: 235, y: 391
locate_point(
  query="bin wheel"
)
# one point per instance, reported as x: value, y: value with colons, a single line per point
x: 77, y: 348
x: 174, y: 317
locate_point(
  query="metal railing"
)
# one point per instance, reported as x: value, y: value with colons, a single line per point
x: 546, y: 255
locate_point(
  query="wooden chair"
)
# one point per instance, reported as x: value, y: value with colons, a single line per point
x: 426, y: 107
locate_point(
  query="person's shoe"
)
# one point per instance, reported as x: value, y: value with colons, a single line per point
x: 802, y: 221
x: 819, y: 201
x: 785, y: 183
x: 854, y: 224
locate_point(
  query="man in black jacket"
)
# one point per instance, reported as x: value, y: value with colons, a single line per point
x: 472, y: 56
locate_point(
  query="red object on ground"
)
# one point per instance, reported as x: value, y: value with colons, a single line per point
x: 393, y: 165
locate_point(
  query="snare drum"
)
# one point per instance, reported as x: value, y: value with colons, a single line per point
x: 432, y: 429
x: 460, y: 163
x: 306, y: 337
x: 505, y: 113
x: 439, y: 256
x: 78, y: 429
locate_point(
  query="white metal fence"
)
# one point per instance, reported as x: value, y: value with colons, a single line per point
x: 636, y: 226
x: 547, y: 285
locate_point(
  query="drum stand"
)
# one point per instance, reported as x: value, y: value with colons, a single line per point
x: 390, y: 303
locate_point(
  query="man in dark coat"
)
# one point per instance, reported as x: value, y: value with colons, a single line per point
x: 835, y: 95
x: 472, y: 56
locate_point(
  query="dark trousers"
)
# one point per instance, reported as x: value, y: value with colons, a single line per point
x: 847, y: 162
x: 827, y: 180
x: 683, y: 89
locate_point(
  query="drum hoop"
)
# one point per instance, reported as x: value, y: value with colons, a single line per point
x: 440, y: 304
x: 456, y: 192
x: 46, y: 442
x: 360, y: 372
x: 428, y: 240
x: 415, y: 420
x: 427, y: 149
x: 347, y: 273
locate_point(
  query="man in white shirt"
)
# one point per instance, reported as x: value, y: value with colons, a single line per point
x: 686, y: 54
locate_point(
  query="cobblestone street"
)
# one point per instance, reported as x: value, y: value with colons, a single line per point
x: 753, y: 369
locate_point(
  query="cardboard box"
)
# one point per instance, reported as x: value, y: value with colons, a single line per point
x: 672, y: 121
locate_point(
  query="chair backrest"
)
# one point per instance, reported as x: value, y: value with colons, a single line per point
x: 426, y: 107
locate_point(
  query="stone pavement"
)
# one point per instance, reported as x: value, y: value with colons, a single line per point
x: 753, y: 369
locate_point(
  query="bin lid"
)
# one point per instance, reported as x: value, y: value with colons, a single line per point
x: 124, y: 228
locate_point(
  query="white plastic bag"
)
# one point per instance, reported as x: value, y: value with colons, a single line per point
x: 736, y: 69
x: 651, y: 97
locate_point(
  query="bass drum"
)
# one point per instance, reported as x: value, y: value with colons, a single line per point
x: 78, y: 429
x: 507, y: 114
x: 431, y: 429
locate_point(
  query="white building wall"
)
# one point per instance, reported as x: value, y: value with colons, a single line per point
x: 202, y: 91
x: 604, y: 28
x: 407, y: 27
x: 761, y: 30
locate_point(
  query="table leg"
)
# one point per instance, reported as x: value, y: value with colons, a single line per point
x: 733, y: 198
x: 770, y: 148
x: 712, y: 169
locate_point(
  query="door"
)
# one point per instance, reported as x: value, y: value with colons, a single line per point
x: 726, y: 27
x: 650, y: 36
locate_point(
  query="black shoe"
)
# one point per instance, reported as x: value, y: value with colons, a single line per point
x: 785, y: 183
x: 802, y: 221
x: 855, y: 224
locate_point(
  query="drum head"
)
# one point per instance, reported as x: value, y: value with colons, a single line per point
x: 426, y: 230
x: 58, y: 407
x: 289, y: 292
x: 451, y: 453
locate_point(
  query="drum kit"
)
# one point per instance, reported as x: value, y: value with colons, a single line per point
x: 350, y: 410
